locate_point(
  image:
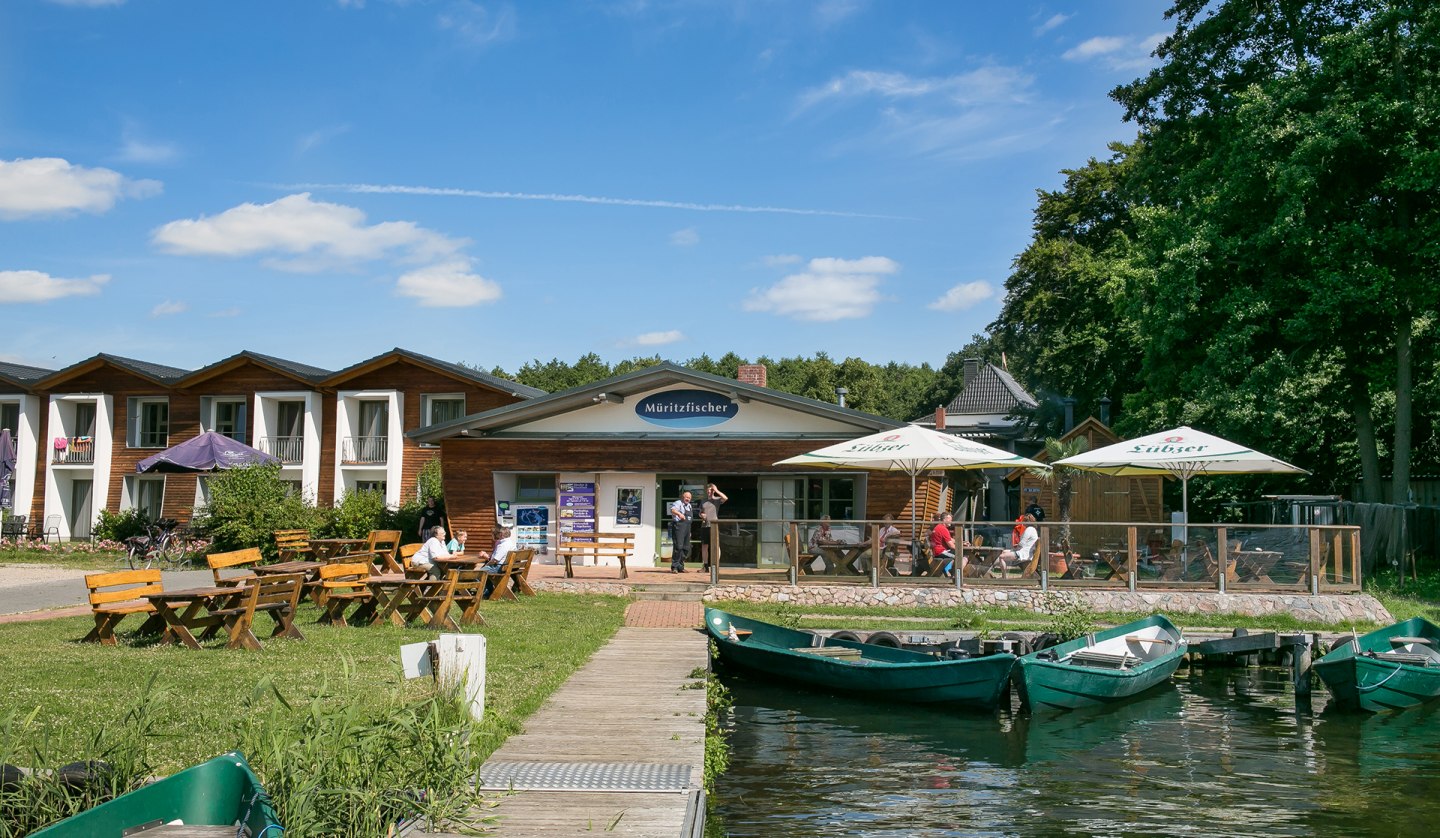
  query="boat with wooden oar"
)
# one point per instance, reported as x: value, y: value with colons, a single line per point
x: 1101, y: 668
x: 1391, y: 668
x: 220, y: 796
x: 858, y: 668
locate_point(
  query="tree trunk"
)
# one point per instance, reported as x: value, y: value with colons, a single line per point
x: 1371, y: 486
x: 1400, y: 472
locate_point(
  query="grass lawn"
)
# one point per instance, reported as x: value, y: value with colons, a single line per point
x: 75, y: 688
x: 1413, y: 599
x: 76, y: 556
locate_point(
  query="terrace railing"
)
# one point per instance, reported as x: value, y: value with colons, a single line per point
x: 359, y: 450
x: 289, y: 449
x: 74, y: 450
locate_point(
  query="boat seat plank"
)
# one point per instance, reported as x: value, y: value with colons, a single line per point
x: 1140, y: 638
x: 1406, y: 657
x: 1408, y: 641
x: 1108, y: 660
x: 838, y: 652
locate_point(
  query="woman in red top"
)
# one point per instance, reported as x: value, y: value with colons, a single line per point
x: 942, y: 544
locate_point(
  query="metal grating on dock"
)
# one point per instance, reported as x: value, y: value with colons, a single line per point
x: 584, y: 776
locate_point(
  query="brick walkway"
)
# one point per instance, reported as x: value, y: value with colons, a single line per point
x: 664, y: 614
x: 52, y: 614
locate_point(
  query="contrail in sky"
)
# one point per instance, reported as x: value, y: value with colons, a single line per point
x: 382, y: 189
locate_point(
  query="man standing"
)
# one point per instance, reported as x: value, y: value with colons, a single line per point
x: 679, y: 533
x: 430, y: 518
x: 709, y: 515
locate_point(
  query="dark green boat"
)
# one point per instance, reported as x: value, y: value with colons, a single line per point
x: 1388, y: 669
x: 1101, y: 668
x: 858, y: 668
x: 219, y: 792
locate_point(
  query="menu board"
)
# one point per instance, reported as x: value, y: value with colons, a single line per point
x: 532, y: 528
x: 576, y: 505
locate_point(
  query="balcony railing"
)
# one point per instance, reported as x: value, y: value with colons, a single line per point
x: 74, y: 450
x: 364, y: 449
x: 289, y: 449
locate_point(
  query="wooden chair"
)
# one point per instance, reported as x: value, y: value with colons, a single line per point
x: 463, y: 588
x: 114, y: 596
x: 234, y: 560
x: 276, y: 595
x: 293, y: 544
x: 346, y: 584
x: 382, y: 545
x: 520, y: 579
x: 512, y: 576
x: 408, y: 552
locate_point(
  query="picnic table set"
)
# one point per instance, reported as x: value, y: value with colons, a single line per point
x: 353, y: 582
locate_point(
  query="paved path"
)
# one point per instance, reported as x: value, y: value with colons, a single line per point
x: 32, y: 592
x: 664, y: 614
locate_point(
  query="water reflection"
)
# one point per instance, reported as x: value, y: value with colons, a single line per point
x: 1223, y: 752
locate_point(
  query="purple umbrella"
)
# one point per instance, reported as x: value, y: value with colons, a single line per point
x: 7, y: 467
x: 207, y: 452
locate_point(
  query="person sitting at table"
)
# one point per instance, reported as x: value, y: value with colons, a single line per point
x: 434, y: 548
x: 821, y: 536
x: 942, y: 544
x: 505, y: 542
x: 456, y: 545
x: 889, y: 539
x: 1022, y: 552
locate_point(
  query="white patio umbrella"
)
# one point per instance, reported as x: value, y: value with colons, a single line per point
x: 1183, y: 452
x: 911, y: 449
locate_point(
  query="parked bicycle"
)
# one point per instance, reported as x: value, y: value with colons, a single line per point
x: 163, y: 545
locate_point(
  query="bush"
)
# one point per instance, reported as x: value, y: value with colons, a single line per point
x: 118, y: 526
x: 247, y: 506
x: 359, y: 512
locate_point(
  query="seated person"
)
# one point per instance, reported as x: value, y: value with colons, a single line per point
x: 889, y: 538
x: 942, y: 544
x: 821, y: 535
x: 434, y: 548
x: 505, y: 542
x: 1023, y: 551
x: 456, y: 545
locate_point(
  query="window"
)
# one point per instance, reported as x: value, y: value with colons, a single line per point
x: 535, y: 488
x: 149, y: 423
x: 10, y: 417
x: 228, y: 418
x: 833, y: 496
x: 147, y: 494
x: 441, y: 408
x: 370, y: 486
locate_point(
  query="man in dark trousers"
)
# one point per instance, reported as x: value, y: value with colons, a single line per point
x: 679, y: 533
x: 709, y: 515
x: 430, y: 517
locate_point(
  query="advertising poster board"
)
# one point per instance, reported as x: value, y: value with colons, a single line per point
x: 532, y: 528
x: 576, y: 505
x: 627, y: 506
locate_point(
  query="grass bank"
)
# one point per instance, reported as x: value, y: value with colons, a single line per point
x: 77, y: 555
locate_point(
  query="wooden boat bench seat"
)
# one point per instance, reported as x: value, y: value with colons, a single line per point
x: 1106, y: 660
x: 836, y: 652
x: 1412, y: 641
x: 1411, y: 658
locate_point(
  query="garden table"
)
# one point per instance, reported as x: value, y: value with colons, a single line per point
x: 186, y: 610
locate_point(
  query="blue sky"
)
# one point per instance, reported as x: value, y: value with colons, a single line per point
x: 491, y: 183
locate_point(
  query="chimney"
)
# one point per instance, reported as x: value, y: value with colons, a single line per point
x: 940, y: 418
x: 972, y: 370
x: 840, y: 394
x: 751, y: 374
x: 1069, y: 403
x: 1105, y: 411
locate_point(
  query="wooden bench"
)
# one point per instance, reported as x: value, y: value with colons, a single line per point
x: 1104, y: 660
x: 292, y: 544
x: 596, y: 545
x: 234, y: 560
x: 511, y: 578
x: 276, y: 595
x: 114, y: 596
x: 346, y: 584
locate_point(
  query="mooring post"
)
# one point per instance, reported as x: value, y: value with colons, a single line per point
x: 1300, y: 660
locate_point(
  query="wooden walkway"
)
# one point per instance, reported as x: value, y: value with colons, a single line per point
x: 635, y: 704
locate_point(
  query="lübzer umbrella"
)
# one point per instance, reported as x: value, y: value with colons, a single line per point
x: 1183, y: 452
x: 210, y: 451
x: 911, y: 449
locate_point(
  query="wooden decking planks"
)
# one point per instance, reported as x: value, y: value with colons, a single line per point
x: 631, y: 703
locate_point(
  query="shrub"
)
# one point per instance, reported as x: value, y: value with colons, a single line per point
x: 359, y: 512
x: 118, y: 526
x: 248, y: 504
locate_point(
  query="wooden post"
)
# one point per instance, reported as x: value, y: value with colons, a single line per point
x: 1044, y: 558
x: 1314, y: 562
x: 1335, y: 564
x: 794, y: 553
x: 875, y: 557
x: 1224, y: 557
x: 1300, y: 660
x: 1355, y: 563
x: 1132, y: 559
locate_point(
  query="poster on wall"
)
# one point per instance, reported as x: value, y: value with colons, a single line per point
x: 576, y: 504
x: 627, y: 506
x: 532, y: 528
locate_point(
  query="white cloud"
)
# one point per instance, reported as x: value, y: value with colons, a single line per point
x: 448, y: 285
x: 478, y: 25
x: 685, y: 238
x: 1116, y: 52
x: 831, y: 12
x: 52, y: 186
x: 37, y: 287
x: 1100, y: 45
x: 781, y: 259
x: 319, y: 137
x: 963, y: 296
x: 168, y: 308
x: 1051, y: 23
x: 234, y: 311
x: 316, y: 235
x: 659, y: 338
x: 984, y: 85
x: 829, y: 289
x: 135, y: 148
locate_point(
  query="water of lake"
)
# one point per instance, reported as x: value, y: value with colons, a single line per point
x: 1222, y: 753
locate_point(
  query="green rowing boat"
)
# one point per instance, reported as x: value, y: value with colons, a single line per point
x: 1101, y: 668
x: 1388, y: 669
x: 219, y: 792
x: 858, y: 668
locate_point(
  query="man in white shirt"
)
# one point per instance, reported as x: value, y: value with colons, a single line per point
x: 505, y: 543
x: 434, y: 548
x: 679, y: 533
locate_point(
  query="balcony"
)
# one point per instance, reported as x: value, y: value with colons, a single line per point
x: 364, y: 450
x: 74, y: 451
x: 289, y: 449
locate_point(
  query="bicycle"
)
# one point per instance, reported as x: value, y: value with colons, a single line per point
x: 162, y: 544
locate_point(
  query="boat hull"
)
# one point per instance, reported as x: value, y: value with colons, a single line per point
x: 1361, y: 682
x: 894, y: 674
x: 219, y: 792
x: 1055, y: 685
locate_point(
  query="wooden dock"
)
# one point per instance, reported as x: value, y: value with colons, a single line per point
x: 630, y: 723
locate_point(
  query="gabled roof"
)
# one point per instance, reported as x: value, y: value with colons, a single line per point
x: 157, y: 373
x: 642, y: 381
x: 459, y: 371
x: 20, y: 375
x: 301, y: 372
x: 992, y: 391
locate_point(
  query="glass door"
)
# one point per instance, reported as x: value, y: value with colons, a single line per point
x: 779, y: 504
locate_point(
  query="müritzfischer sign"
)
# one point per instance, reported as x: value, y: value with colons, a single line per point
x: 686, y: 409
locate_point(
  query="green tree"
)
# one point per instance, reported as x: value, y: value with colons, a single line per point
x: 247, y: 505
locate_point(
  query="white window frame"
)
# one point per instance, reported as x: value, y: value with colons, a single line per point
x: 133, y: 484
x: 136, y: 421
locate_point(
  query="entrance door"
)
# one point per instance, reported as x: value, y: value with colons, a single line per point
x: 80, y: 508
x: 779, y: 504
x: 670, y: 488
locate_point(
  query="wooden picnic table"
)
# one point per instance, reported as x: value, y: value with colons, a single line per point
x: 1256, y: 565
x: 841, y: 556
x: 189, y: 609
x: 332, y: 548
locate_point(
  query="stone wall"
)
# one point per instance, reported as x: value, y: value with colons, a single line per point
x: 1328, y: 608
x: 581, y: 586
